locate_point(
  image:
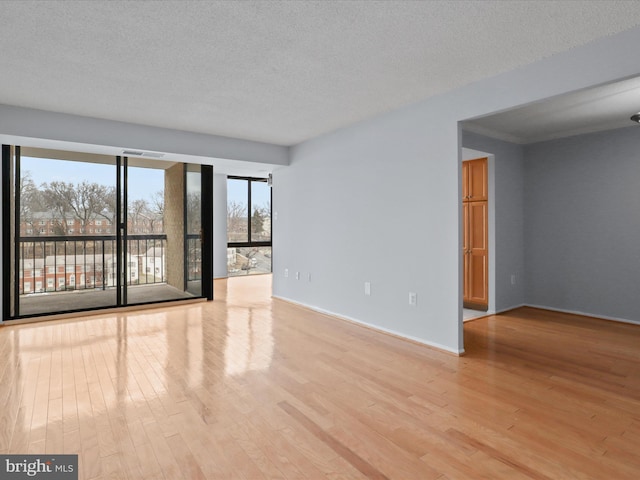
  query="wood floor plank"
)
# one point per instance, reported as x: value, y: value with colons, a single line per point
x: 241, y: 464
x: 254, y: 452
x: 343, y: 451
x: 296, y: 464
x: 188, y: 466
x: 169, y: 467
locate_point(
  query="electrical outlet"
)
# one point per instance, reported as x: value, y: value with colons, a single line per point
x: 513, y: 279
x: 367, y: 288
x: 413, y: 299
x: 286, y: 273
x: 297, y: 275
x: 308, y: 277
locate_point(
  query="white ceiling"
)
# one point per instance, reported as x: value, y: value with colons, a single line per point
x: 274, y: 71
x: 595, y: 109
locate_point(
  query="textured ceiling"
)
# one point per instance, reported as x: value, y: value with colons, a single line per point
x: 279, y: 72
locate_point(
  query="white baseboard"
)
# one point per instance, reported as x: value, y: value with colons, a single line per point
x: 513, y: 307
x: 373, y: 327
x: 584, y: 314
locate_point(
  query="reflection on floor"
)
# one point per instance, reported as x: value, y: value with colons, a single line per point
x: 41, y: 303
x: 251, y: 387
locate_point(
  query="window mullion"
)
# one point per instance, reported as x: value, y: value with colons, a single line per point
x: 249, y: 211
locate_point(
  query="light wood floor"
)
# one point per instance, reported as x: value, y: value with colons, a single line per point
x: 247, y: 387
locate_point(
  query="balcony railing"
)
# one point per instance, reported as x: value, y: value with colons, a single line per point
x: 194, y: 257
x: 89, y: 262
x: 59, y: 263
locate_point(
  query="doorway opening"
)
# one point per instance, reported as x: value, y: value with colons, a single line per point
x: 477, y: 234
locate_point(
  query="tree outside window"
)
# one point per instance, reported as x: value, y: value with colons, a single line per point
x: 248, y: 226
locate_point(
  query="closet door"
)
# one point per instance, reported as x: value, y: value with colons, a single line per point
x: 477, y: 180
x: 465, y: 181
x: 477, y: 256
x: 475, y: 233
x: 465, y: 251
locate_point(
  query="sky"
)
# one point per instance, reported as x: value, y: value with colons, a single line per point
x: 237, y: 192
x: 143, y: 182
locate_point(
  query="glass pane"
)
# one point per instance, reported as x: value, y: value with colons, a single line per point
x: 194, y: 230
x: 66, y: 245
x: 237, y: 210
x: 146, y: 275
x: 260, y: 212
x: 156, y: 231
x: 248, y: 260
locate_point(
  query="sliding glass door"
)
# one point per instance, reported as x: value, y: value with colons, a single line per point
x: 89, y: 231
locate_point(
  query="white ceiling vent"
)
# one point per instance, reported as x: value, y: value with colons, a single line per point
x: 153, y: 154
x: 139, y: 153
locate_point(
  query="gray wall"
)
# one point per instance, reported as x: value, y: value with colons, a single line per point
x: 219, y: 226
x: 508, y: 211
x: 582, y: 211
x: 26, y: 123
x: 347, y: 215
x: 380, y: 201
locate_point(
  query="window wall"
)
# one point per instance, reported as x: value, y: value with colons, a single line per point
x: 248, y: 226
x: 84, y: 231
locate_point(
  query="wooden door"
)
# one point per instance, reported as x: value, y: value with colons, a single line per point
x: 478, y: 258
x: 475, y: 234
x: 465, y: 181
x: 477, y: 180
x: 465, y: 251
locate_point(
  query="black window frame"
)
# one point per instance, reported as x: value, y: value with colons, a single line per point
x: 249, y: 242
x: 11, y: 236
